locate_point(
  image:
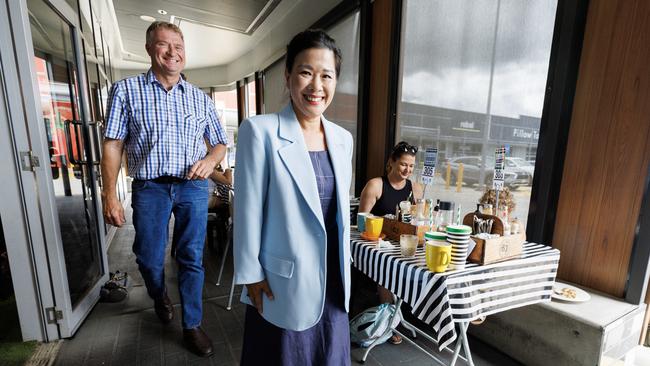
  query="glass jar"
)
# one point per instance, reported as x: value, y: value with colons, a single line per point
x: 405, y: 210
x: 419, y: 211
x: 445, y: 215
x: 515, y: 226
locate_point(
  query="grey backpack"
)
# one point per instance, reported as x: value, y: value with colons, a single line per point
x: 372, y: 324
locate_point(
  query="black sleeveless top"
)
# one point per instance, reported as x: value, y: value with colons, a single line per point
x: 390, y: 198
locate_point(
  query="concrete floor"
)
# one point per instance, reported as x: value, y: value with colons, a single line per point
x: 129, y: 333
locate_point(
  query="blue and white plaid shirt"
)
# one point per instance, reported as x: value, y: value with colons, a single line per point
x: 163, y: 130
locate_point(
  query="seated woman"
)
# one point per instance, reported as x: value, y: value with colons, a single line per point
x: 220, y: 183
x: 382, y: 195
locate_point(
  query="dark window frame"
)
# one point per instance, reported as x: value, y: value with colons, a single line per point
x: 566, y: 49
x: 363, y: 95
x: 242, y: 100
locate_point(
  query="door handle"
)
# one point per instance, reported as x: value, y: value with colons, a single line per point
x: 96, y: 140
x: 81, y: 130
x: 69, y: 125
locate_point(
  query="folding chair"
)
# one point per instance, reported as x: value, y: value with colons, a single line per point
x: 231, y: 200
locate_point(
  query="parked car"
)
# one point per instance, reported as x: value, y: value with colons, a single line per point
x: 515, y: 175
x: 520, y: 164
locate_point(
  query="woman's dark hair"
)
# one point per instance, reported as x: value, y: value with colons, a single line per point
x: 400, y: 149
x: 312, y: 38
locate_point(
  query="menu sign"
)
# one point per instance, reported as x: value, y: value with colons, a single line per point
x: 499, y: 166
x: 430, y: 156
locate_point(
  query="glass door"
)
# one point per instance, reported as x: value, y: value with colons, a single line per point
x: 78, y: 262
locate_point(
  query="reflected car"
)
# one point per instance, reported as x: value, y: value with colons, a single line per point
x: 520, y: 164
x: 515, y: 176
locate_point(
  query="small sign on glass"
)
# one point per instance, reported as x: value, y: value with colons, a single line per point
x: 430, y: 156
x: 499, y: 166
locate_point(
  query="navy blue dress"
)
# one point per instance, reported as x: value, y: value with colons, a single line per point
x: 328, y: 342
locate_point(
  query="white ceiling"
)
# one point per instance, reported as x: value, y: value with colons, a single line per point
x: 216, y: 31
x: 215, y: 56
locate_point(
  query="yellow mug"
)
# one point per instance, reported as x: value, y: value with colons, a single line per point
x: 373, y: 226
x: 438, y: 256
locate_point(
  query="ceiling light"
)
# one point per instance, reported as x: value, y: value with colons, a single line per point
x: 147, y: 18
x: 162, y: 12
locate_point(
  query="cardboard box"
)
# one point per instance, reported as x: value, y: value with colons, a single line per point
x: 393, y: 229
x: 498, y: 249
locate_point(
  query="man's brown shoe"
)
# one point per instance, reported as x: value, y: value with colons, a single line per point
x: 198, y: 342
x: 164, y: 309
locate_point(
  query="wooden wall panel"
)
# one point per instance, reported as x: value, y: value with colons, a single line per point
x: 242, y: 101
x: 378, y: 111
x: 259, y: 93
x: 609, y: 148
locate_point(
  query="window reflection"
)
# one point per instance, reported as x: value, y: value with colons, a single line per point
x: 473, y: 79
x: 58, y: 92
x: 225, y: 103
x: 252, y: 107
x: 276, y: 95
x: 343, y: 110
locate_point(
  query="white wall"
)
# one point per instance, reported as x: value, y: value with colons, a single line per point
x: 205, y: 77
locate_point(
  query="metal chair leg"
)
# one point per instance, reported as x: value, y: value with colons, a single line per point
x: 232, y: 291
x: 409, y: 327
x: 223, y: 259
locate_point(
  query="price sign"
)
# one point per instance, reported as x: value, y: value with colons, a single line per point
x: 430, y: 156
x: 499, y: 166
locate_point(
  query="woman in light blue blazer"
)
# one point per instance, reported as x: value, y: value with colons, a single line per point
x: 291, y: 224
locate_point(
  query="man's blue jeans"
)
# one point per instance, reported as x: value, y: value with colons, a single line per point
x: 153, y: 203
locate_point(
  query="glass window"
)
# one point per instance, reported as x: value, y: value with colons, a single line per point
x: 109, y: 66
x: 276, y: 95
x: 473, y: 79
x: 96, y: 109
x: 252, y: 107
x: 226, y: 104
x: 343, y: 110
x: 99, y: 42
x: 58, y: 85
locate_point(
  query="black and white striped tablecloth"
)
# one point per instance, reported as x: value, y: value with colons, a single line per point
x: 440, y: 299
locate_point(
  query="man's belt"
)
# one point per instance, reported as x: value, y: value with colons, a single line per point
x: 167, y: 179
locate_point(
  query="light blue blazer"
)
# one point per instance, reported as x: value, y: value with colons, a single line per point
x: 279, y: 233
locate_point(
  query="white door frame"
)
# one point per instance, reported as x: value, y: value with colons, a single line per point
x: 23, y: 234
x: 45, y: 199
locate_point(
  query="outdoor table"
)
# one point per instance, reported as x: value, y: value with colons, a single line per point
x: 456, y: 296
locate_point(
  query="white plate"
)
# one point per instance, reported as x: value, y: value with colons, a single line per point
x: 581, y: 295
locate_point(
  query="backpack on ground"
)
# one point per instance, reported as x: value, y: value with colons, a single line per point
x: 372, y: 323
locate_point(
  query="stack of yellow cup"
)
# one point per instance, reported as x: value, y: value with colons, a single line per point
x: 437, y: 251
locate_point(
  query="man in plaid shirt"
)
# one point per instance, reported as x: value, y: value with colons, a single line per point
x: 163, y: 122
